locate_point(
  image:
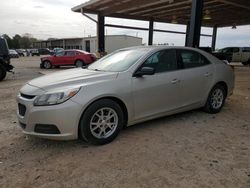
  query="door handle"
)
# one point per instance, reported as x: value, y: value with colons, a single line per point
x: 175, y: 81
x: 208, y: 74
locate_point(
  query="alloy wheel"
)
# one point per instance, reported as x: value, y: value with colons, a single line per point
x: 103, y: 123
x: 217, y: 98
x: 47, y: 65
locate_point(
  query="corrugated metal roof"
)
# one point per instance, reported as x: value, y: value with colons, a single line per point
x: 222, y: 12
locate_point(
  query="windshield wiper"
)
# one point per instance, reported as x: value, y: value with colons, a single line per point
x: 96, y: 70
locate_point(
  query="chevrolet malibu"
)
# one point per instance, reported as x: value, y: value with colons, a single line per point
x: 124, y: 88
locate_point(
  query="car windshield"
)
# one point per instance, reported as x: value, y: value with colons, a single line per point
x: 119, y: 61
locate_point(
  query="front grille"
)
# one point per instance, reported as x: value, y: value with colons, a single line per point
x: 46, y: 129
x: 27, y: 96
x: 21, y: 109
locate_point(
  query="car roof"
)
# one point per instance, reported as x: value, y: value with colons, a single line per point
x: 155, y: 48
x: 76, y: 50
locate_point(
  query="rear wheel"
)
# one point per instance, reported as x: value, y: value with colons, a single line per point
x: 2, y: 72
x: 79, y: 63
x: 101, y: 122
x: 47, y: 65
x: 216, y: 100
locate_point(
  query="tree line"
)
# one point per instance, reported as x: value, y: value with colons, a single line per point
x: 20, y: 42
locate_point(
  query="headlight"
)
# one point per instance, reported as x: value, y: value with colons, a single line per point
x: 55, y: 97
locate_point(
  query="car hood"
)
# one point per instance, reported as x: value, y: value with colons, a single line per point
x: 68, y: 78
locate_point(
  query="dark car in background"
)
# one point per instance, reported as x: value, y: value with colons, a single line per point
x: 76, y: 58
x: 34, y: 52
x: 20, y: 52
x: 5, y: 65
x: 45, y: 51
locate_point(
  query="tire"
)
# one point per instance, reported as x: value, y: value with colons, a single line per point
x: 47, y: 65
x: 2, y: 72
x: 216, y: 100
x: 93, y: 124
x: 79, y: 63
x: 245, y: 63
x: 41, y: 66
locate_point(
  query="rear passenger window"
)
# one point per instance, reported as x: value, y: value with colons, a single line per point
x: 70, y: 53
x: 191, y: 59
x: 236, y: 50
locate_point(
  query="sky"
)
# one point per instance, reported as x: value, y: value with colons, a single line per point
x: 54, y: 19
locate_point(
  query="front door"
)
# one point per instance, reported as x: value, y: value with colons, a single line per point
x: 69, y: 57
x: 158, y: 93
x: 58, y: 58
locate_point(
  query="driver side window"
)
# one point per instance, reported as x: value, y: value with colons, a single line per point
x: 162, y: 61
x: 60, y: 53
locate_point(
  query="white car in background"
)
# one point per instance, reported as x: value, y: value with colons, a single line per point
x: 13, y: 54
x: 235, y: 54
x: 56, y: 50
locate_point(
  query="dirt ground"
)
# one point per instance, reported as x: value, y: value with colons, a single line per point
x: 192, y: 149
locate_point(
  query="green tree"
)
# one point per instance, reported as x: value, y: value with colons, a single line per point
x: 16, y: 41
x: 9, y: 40
x: 25, y: 42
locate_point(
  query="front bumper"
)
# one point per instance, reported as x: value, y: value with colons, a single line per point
x: 65, y: 117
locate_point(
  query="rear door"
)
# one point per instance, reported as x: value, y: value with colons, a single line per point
x: 237, y: 55
x: 196, y: 79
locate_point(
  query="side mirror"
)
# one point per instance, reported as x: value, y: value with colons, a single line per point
x: 145, y: 71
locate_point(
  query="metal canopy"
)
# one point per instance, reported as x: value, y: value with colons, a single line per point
x: 222, y: 12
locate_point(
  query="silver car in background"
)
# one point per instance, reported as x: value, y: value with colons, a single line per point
x: 124, y: 88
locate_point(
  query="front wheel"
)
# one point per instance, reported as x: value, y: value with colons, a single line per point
x: 47, y: 65
x: 101, y: 122
x: 2, y: 72
x: 216, y: 100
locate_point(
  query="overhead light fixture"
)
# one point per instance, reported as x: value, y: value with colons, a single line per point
x: 174, y: 20
x: 234, y: 26
x: 207, y: 15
